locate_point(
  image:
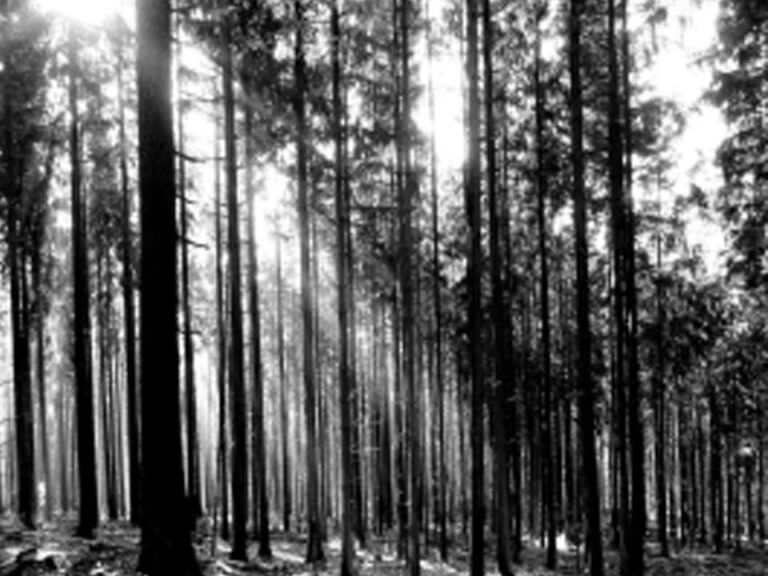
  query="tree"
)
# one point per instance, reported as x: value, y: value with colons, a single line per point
x: 236, y: 368
x: 342, y: 216
x: 129, y: 315
x: 474, y: 272
x: 541, y: 215
x: 407, y: 191
x: 586, y: 384
x: 314, y: 545
x: 500, y: 361
x: 86, y: 457
x: 165, y: 540
x: 190, y: 390
x: 260, y: 501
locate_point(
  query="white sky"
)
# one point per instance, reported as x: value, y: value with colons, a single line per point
x: 678, y: 74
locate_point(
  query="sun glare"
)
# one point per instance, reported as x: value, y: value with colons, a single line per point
x: 90, y: 12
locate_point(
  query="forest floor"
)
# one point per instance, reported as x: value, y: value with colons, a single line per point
x: 54, y: 550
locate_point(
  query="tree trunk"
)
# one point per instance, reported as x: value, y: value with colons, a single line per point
x: 223, y: 447
x: 193, y: 450
x: 501, y: 363
x: 474, y: 273
x: 165, y: 542
x: 86, y: 451
x: 660, y: 411
x: 438, y: 311
x: 260, y: 500
x: 129, y: 314
x: 407, y: 290
x: 541, y: 183
x: 342, y: 216
x: 635, y: 412
x: 314, y: 545
x: 284, y: 408
x: 39, y: 314
x: 586, y: 385
x: 236, y: 369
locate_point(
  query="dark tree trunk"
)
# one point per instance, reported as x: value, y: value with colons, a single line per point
x: 236, y: 369
x: 586, y: 384
x: 549, y: 437
x: 716, y: 482
x: 221, y: 330
x: 401, y: 480
x: 501, y: 363
x: 284, y: 409
x: 660, y: 411
x: 407, y: 291
x: 39, y: 316
x: 165, y: 540
x: 344, y: 302
x: 22, y: 378
x: 474, y: 273
x: 22, y: 382
x: 439, y: 387
x: 634, y: 408
x: 618, y: 235
x: 86, y: 450
x: 260, y: 500
x: 314, y: 544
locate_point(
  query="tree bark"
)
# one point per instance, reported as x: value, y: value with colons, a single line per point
x: 260, y: 500
x: 193, y: 466
x: 586, y: 384
x: 236, y: 368
x: 406, y: 258
x: 501, y: 363
x: 129, y: 315
x: 474, y: 273
x: 314, y: 545
x: 342, y: 216
x: 284, y: 408
x: 549, y: 437
x: 165, y: 541
x: 86, y: 451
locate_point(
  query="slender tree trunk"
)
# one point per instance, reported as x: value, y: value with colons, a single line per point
x: 586, y: 384
x: 223, y: 447
x: 716, y: 483
x: 86, y: 451
x: 129, y: 314
x: 396, y: 189
x: 438, y: 310
x: 193, y: 449
x: 40, y: 313
x: 342, y: 215
x: 619, y: 232
x: 284, y: 408
x: 501, y: 469
x: 407, y: 290
x: 236, y: 369
x: 549, y: 439
x: 660, y: 411
x: 165, y: 541
x: 314, y: 545
x: 636, y: 428
x: 474, y: 273
x: 260, y: 500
